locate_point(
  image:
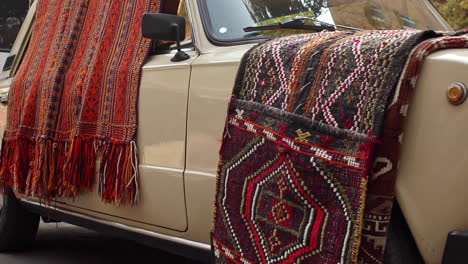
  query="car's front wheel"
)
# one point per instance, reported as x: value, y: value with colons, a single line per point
x: 18, y: 227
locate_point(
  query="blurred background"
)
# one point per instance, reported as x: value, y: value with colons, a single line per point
x: 454, y: 11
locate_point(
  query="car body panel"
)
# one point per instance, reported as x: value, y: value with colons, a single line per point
x: 4, y: 88
x: 433, y: 176
x: 212, y: 81
x: 162, y: 109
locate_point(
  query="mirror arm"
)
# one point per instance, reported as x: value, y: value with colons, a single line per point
x: 180, y: 55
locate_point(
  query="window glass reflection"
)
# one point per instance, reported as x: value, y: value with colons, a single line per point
x: 229, y: 17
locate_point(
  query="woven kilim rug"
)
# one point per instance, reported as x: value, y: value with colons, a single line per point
x: 380, y: 194
x: 73, y: 102
x: 300, y: 145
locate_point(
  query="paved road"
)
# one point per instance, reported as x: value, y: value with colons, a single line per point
x: 66, y: 244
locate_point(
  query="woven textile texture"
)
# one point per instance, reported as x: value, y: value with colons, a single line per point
x: 380, y: 194
x: 73, y: 102
x: 306, y: 115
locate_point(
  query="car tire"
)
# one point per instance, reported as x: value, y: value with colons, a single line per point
x: 401, y: 247
x: 18, y: 227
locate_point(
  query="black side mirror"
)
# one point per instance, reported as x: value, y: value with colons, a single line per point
x: 165, y: 27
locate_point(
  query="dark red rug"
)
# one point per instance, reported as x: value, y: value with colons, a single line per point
x: 299, y: 147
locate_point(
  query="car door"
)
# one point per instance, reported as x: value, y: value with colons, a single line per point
x: 162, y: 110
x: 161, y: 139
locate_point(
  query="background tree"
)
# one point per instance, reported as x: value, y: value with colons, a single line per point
x: 454, y: 11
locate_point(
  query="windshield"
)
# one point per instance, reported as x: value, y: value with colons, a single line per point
x: 228, y: 18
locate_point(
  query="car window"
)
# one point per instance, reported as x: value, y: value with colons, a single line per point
x: 3, y: 57
x: 15, y: 27
x: 225, y: 20
x: 12, y: 14
x: 188, y: 26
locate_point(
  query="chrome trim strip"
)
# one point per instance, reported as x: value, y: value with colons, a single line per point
x: 200, y: 173
x: 177, y: 240
x: 160, y: 168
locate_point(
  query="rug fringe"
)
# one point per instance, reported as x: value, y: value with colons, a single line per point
x: 50, y: 169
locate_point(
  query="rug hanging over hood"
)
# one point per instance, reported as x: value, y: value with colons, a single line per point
x: 306, y: 114
x: 73, y: 103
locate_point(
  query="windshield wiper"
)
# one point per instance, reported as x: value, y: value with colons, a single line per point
x: 299, y: 23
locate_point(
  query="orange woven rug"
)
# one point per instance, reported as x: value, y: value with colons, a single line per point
x: 73, y: 101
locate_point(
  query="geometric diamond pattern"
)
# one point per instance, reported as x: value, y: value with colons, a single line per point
x: 302, y: 125
x: 281, y: 225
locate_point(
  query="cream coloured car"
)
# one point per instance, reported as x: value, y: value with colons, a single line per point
x: 182, y: 110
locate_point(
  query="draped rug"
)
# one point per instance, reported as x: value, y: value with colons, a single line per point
x: 73, y: 103
x: 380, y: 194
x: 307, y: 129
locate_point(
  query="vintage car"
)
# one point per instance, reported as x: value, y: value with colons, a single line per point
x: 182, y: 111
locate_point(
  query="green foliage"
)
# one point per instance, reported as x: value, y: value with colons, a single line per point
x: 454, y: 11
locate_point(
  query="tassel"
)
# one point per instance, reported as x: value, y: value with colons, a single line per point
x: 80, y: 167
x: 50, y: 169
x: 118, y: 179
x: 6, y: 176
